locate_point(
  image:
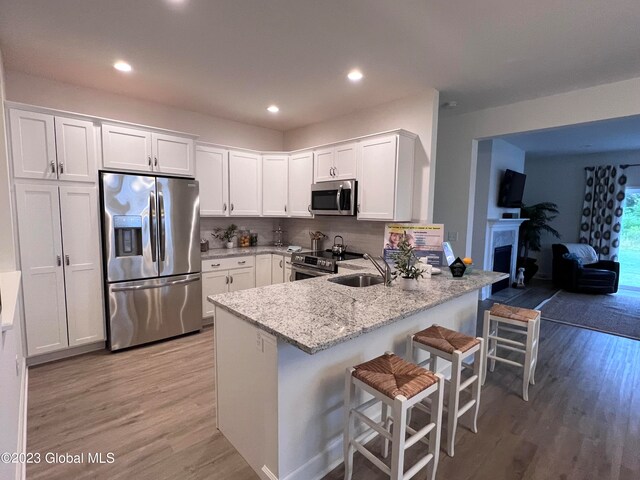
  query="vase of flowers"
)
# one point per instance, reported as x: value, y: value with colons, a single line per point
x: 226, y: 234
x: 408, y: 266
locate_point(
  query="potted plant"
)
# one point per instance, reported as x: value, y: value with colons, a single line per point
x: 537, y: 221
x: 226, y: 234
x: 408, y: 265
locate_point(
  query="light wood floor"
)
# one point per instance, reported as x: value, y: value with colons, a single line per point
x: 154, y: 407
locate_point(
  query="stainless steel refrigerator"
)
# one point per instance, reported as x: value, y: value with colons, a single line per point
x: 151, y: 240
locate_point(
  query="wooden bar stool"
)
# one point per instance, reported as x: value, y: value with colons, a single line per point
x: 398, y: 385
x: 519, y: 321
x: 455, y: 347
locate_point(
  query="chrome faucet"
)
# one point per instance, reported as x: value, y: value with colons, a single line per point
x: 385, y: 272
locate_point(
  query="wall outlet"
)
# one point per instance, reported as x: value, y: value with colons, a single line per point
x: 452, y: 236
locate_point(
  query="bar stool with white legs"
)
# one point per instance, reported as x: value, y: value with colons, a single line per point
x: 398, y: 385
x: 455, y: 347
x: 518, y: 321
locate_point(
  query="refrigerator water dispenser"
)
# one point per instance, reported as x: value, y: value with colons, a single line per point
x: 128, y: 232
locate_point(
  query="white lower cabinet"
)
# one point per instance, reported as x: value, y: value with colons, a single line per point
x: 226, y: 275
x: 62, y: 288
x: 277, y: 269
x: 213, y: 283
x: 287, y: 270
x: 263, y: 270
x: 242, y: 279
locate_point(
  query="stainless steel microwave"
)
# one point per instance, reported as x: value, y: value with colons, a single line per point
x: 334, y: 198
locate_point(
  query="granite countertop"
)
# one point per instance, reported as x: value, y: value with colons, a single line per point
x: 316, y: 314
x: 240, y: 251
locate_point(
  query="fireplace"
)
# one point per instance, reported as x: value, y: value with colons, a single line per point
x: 501, y: 263
x: 501, y: 232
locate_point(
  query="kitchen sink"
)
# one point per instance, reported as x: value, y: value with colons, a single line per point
x: 358, y: 281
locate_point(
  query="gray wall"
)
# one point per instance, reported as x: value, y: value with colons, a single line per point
x: 494, y: 157
x: 11, y: 375
x: 561, y: 180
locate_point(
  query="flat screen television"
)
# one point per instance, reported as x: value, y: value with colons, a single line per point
x: 511, y: 189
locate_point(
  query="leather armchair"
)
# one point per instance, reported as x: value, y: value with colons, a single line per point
x: 568, y: 274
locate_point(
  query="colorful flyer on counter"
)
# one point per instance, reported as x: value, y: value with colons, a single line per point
x: 426, y: 239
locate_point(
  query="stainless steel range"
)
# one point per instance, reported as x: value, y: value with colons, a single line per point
x: 314, y: 264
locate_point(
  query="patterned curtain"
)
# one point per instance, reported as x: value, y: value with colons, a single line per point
x: 600, y: 224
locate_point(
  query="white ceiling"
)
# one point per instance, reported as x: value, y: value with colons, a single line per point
x: 604, y: 136
x: 232, y: 58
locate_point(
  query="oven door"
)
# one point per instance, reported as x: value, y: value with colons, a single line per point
x: 334, y: 198
x: 299, y: 272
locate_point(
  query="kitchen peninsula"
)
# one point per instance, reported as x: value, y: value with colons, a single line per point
x: 282, y: 350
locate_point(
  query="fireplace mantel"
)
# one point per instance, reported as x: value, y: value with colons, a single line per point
x: 500, y: 232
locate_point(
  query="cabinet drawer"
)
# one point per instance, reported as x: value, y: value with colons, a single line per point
x: 228, y: 263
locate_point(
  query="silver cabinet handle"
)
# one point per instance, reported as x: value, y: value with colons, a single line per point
x: 309, y: 208
x: 224, y: 207
x: 53, y: 166
x: 285, y: 209
x: 280, y: 263
x: 155, y: 161
x: 232, y: 207
x: 331, y: 171
x: 61, y: 166
x: 149, y: 160
x: 215, y: 265
x: 242, y: 262
x: 231, y: 278
x: 226, y: 280
x: 59, y: 260
x: 66, y: 259
x: 358, y: 208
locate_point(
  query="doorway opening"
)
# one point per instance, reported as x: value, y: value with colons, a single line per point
x: 629, y: 254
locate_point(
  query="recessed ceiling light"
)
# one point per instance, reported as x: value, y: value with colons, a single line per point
x: 273, y: 108
x: 450, y: 105
x: 355, y: 75
x: 122, y: 66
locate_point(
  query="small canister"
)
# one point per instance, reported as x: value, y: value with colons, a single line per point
x: 204, y: 245
x: 254, y: 239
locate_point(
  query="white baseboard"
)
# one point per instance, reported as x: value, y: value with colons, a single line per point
x: 268, y: 473
x: 69, y: 352
x: 21, y: 468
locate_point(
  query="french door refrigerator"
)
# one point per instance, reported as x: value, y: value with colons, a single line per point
x: 151, y: 243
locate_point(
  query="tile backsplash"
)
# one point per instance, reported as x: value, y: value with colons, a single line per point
x: 359, y: 236
x: 262, y: 226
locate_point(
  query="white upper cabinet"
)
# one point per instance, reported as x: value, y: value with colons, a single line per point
x: 82, y: 274
x: 385, y: 178
x: 172, y: 154
x: 130, y: 148
x: 337, y: 162
x: 77, y: 150
x: 323, y: 164
x: 300, y: 180
x: 212, y: 172
x: 275, y: 185
x: 345, y: 164
x: 245, y: 183
x: 43, y: 291
x: 33, y: 145
x: 126, y: 148
x: 51, y: 148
